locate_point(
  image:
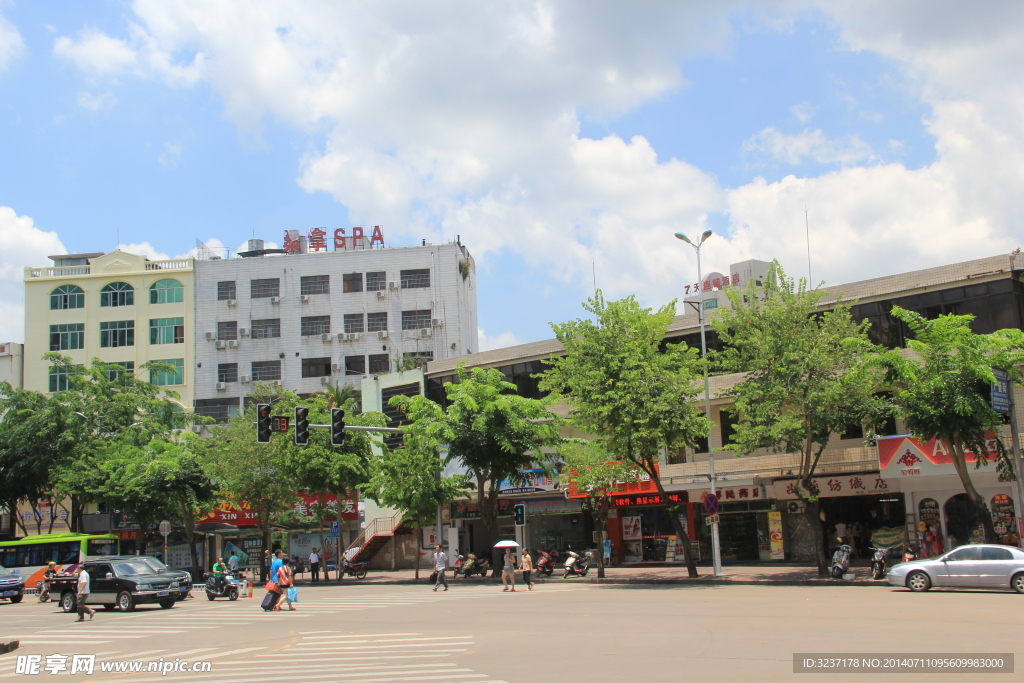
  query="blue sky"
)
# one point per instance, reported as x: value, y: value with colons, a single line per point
x: 558, y: 139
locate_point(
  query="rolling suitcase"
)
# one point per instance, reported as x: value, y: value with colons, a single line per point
x: 268, y: 601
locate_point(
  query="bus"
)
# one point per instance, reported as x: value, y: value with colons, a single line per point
x: 29, y: 556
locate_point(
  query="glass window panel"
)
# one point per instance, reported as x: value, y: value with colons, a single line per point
x: 266, y: 370
x: 316, y: 367
x: 226, y: 290
x: 376, y: 322
x: 227, y: 372
x: 117, y: 333
x: 380, y: 363
x: 262, y: 289
x: 315, y: 324
x: 67, y: 296
x: 355, y: 365
x: 268, y: 328
x: 315, y: 284
x: 166, y: 292
x: 376, y: 281
x: 164, y: 379
x: 117, y: 294
x: 414, y: 320
x: 227, y: 331
x: 167, y: 331
x: 412, y: 279
x: 353, y: 282
x: 66, y: 337
x: 1002, y: 309
x: 354, y: 322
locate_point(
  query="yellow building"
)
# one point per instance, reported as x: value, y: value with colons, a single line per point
x: 118, y: 307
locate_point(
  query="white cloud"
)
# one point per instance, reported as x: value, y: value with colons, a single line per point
x: 809, y: 145
x: 803, y: 112
x: 497, y: 341
x: 11, y: 44
x: 171, y: 155
x: 103, y: 101
x: 143, y: 249
x: 464, y: 119
x: 21, y: 244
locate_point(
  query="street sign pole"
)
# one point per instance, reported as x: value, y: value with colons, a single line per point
x: 165, y: 528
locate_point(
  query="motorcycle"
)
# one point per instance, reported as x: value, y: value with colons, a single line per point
x: 356, y: 569
x: 878, y: 563
x: 909, y: 554
x: 475, y: 565
x: 841, y: 561
x: 44, y: 590
x: 577, y: 564
x: 227, y: 588
x: 545, y: 563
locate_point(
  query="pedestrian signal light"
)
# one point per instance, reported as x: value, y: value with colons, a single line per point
x: 301, y: 425
x: 263, y: 423
x: 519, y: 512
x: 337, y: 427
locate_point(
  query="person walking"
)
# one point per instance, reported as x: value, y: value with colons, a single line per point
x: 284, y: 582
x: 314, y: 567
x: 233, y: 564
x: 82, y: 592
x: 440, y: 567
x: 526, y: 565
x: 508, y: 571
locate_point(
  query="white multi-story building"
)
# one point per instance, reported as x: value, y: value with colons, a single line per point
x: 307, y: 320
x: 12, y: 364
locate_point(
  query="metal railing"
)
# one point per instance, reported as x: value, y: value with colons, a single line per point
x: 74, y: 271
x: 380, y: 525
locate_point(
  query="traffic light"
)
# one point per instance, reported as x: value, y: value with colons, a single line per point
x: 263, y: 423
x: 301, y: 425
x: 519, y: 512
x: 337, y: 427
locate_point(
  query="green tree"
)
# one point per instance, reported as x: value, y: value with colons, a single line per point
x: 942, y: 390
x: 809, y: 374
x: 626, y: 389
x: 409, y: 478
x: 487, y: 429
x: 591, y: 469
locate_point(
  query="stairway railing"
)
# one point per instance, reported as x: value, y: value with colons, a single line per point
x: 376, y: 527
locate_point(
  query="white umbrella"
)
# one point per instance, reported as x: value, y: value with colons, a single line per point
x: 506, y: 544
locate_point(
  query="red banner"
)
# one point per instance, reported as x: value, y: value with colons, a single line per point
x: 907, y: 456
x: 227, y: 512
x: 645, y: 485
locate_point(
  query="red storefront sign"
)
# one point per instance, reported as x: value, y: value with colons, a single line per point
x: 243, y: 515
x: 640, y: 499
x: 645, y: 485
x: 907, y: 456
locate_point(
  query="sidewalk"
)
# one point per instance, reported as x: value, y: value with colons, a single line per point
x: 739, y: 575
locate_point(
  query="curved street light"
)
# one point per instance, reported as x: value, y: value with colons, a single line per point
x: 716, y: 549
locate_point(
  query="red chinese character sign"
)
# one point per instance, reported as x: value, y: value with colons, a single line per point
x: 292, y: 245
x: 317, y: 239
x: 907, y: 456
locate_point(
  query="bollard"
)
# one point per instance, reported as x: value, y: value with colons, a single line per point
x: 249, y: 590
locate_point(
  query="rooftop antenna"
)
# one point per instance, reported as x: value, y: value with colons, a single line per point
x: 807, y: 229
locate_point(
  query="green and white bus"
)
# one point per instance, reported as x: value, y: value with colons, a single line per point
x: 30, y: 555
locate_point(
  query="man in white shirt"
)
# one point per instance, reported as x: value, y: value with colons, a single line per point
x: 83, y: 594
x: 440, y: 566
x: 314, y: 566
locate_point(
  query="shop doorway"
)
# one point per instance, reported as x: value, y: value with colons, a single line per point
x: 962, y: 521
x: 859, y: 517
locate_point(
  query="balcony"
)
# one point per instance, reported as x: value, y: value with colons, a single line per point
x: 78, y: 271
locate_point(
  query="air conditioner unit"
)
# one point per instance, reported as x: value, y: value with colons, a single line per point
x: 233, y: 343
x: 354, y: 336
x: 277, y: 382
x: 325, y: 337
x: 275, y: 299
x: 335, y: 366
x: 197, y: 428
x: 221, y: 344
x: 381, y: 294
x: 221, y: 386
x: 436, y: 322
x: 342, y: 336
x: 210, y: 336
x: 304, y: 297
x: 244, y: 379
x: 231, y: 302
x: 325, y: 380
x: 382, y: 334
x: 425, y: 332
x: 392, y: 285
x: 243, y: 331
x: 796, y: 506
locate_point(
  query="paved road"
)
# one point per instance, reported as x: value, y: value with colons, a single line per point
x: 560, y: 632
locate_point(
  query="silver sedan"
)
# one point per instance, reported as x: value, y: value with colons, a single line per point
x: 969, y: 566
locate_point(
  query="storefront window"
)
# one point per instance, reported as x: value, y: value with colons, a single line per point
x: 1003, y: 519
x: 561, y: 532
x: 930, y: 526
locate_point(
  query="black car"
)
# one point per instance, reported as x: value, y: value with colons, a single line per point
x: 183, y: 578
x: 119, y: 583
x: 12, y: 586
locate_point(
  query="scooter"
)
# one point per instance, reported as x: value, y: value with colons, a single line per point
x: 44, y: 590
x: 909, y: 554
x: 228, y: 589
x: 545, y: 563
x: 878, y: 563
x: 577, y: 564
x: 841, y: 561
x: 475, y: 565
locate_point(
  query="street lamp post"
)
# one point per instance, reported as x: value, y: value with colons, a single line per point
x: 716, y: 549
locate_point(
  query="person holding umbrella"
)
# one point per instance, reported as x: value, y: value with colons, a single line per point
x: 508, y: 570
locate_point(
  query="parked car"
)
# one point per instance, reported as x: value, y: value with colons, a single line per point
x: 183, y: 578
x: 119, y: 583
x: 12, y: 586
x: 969, y: 566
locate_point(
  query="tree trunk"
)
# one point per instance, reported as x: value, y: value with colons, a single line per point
x: 417, y: 577
x: 487, y: 503
x: 672, y: 509
x: 601, y: 512
x: 960, y: 464
x: 188, y: 521
x: 813, y: 512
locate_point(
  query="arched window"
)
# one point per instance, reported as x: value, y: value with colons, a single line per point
x: 166, y: 292
x: 117, y: 294
x: 67, y: 296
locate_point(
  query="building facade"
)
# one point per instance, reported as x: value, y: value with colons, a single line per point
x: 121, y: 308
x: 12, y: 364
x: 316, y: 319
x: 760, y: 514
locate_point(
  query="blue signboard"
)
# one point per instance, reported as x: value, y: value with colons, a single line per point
x: 335, y: 529
x: 1001, y: 392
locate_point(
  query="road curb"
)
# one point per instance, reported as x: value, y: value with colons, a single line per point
x: 699, y: 581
